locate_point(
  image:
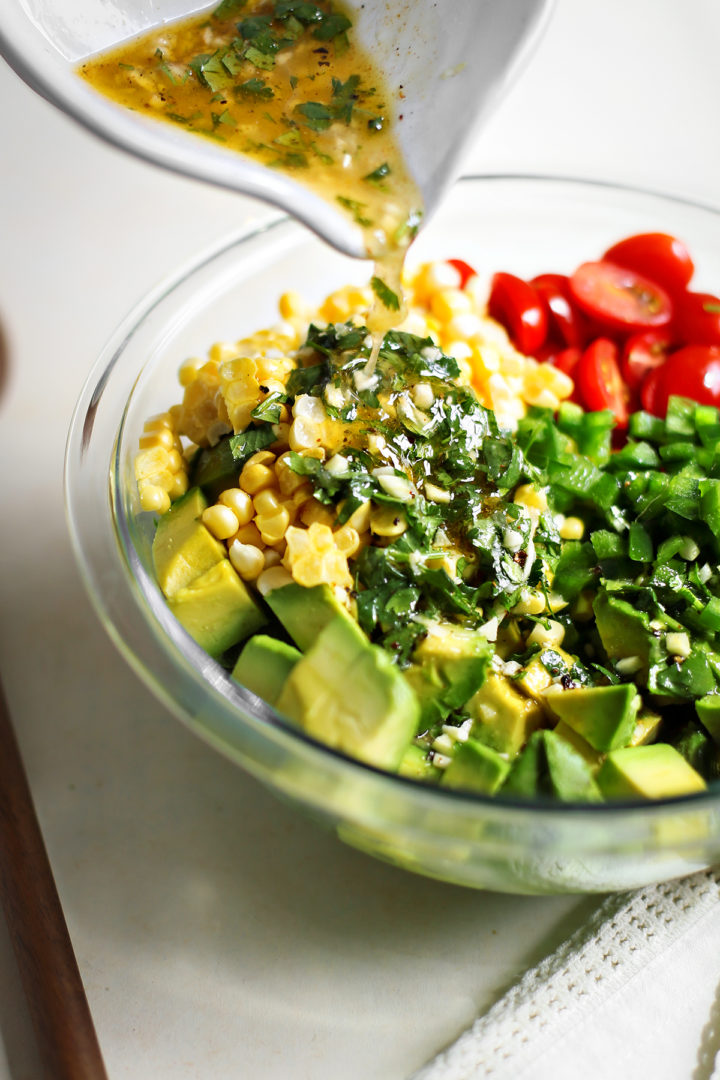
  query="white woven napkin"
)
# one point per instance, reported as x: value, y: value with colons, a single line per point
x: 634, y: 993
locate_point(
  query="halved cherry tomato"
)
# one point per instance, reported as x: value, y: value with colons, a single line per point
x: 599, y: 381
x: 657, y: 256
x: 692, y: 372
x: 564, y: 317
x: 698, y: 318
x: 518, y: 307
x: 653, y: 396
x: 566, y: 360
x: 619, y: 298
x: 642, y: 353
x: 465, y: 270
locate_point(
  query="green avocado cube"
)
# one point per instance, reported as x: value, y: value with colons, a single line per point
x: 417, y: 765
x: 525, y: 776
x: 214, y: 469
x: 504, y: 719
x: 570, y: 776
x: 708, y: 710
x: 264, y: 665
x: 348, y: 694
x: 475, y: 767
x: 216, y: 609
x: 183, y: 548
x: 657, y: 771
x: 449, y: 665
x: 591, y: 756
x: 605, y: 716
x: 305, y: 612
x: 625, y: 632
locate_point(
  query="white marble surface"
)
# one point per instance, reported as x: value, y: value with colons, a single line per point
x: 218, y: 934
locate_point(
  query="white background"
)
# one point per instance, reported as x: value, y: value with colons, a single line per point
x: 220, y: 935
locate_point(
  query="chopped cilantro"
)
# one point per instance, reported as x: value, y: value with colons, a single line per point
x: 255, y: 88
x: 356, y: 209
x: 228, y: 9
x: 247, y: 443
x: 314, y: 115
x: 385, y: 295
x: 379, y: 174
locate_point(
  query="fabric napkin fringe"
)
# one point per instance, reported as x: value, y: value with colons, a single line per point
x: 622, y: 936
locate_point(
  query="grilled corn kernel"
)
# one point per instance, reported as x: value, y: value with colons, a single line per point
x: 248, y: 560
x: 220, y: 520
x: 240, y: 503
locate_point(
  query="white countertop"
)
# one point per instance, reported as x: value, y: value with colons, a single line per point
x: 219, y: 934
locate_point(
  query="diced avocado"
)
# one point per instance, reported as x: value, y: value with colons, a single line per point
x: 536, y: 678
x: 214, y: 469
x: 708, y: 710
x: 525, y: 774
x: 648, y: 772
x: 569, y: 774
x: 647, y: 726
x: 216, y: 609
x: 698, y: 749
x: 604, y: 715
x: 183, y: 548
x: 449, y: 665
x: 264, y: 665
x: 625, y: 632
x: 504, y: 718
x: 305, y: 612
x: 417, y: 765
x: 348, y: 694
x: 591, y: 756
x: 509, y: 639
x: 475, y: 767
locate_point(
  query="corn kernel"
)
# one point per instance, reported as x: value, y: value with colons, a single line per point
x: 240, y: 503
x: 572, y: 528
x: 266, y: 502
x: 274, y: 578
x: 531, y: 497
x: 272, y: 557
x: 161, y: 437
x: 188, y: 370
x: 530, y: 603
x: 221, y: 351
x: 178, y: 486
x: 347, y: 541
x: 292, y: 306
x: 551, y: 635
x: 256, y: 478
x: 314, y: 513
x: 220, y: 520
x: 249, y: 534
x: 447, y: 303
x: 248, y: 560
x: 360, y: 518
x: 153, y: 498
x: 273, y: 526
x: 386, y: 521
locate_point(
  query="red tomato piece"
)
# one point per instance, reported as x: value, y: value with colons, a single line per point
x: 642, y: 353
x: 518, y: 307
x: 692, y: 372
x: 567, y: 360
x: 657, y: 256
x: 465, y: 270
x: 653, y: 394
x: 698, y: 318
x: 564, y: 317
x: 599, y: 381
x: 620, y: 299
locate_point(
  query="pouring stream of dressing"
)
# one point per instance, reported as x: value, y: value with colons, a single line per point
x: 283, y: 82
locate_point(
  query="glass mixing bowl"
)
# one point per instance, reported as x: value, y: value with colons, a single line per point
x: 522, y: 225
